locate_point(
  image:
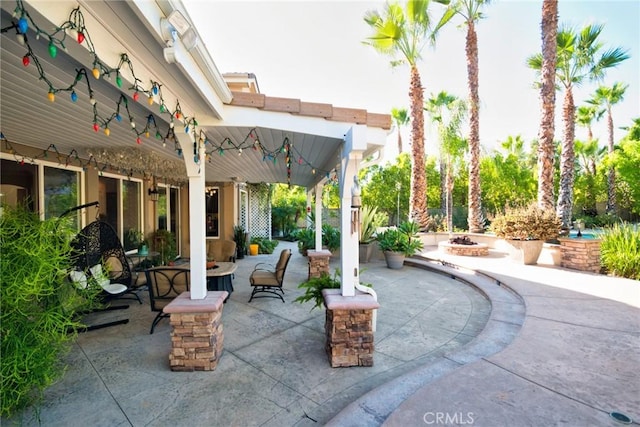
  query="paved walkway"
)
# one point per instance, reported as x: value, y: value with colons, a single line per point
x: 520, y: 350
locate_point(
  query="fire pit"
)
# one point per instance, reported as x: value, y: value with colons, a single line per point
x: 463, y: 246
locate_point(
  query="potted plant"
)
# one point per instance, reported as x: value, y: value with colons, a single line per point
x: 136, y: 239
x: 165, y: 244
x: 399, y: 243
x: 370, y: 221
x: 331, y: 239
x: 240, y: 237
x: 306, y: 240
x: 526, y: 228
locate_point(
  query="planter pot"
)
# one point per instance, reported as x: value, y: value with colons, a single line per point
x: 253, y: 249
x: 366, y: 249
x: 395, y: 260
x: 526, y: 251
x: 240, y: 253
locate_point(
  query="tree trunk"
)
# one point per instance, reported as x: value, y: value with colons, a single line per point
x: 567, y: 159
x: 399, y: 142
x: 475, y: 218
x: 449, y: 184
x: 418, y: 198
x: 548, y: 102
x: 611, y: 178
x: 443, y: 181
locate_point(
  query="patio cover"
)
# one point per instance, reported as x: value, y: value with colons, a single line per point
x: 238, y: 136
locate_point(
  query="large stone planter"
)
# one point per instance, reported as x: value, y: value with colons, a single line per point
x: 366, y: 249
x: 395, y: 260
x: 526, y: 251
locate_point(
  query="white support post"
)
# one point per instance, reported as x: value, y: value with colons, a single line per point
x: 197, y: 220
x: 318, y: 215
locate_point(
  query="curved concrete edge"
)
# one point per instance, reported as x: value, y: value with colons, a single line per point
x: 504, y: 323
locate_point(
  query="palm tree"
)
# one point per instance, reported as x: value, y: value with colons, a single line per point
x: 452, y: 145
x: 401, y: 117
x: 546, y: 146
x: 576, y: 62
x: 435, y: 106
x: 585, y: 115
x: 588, y: 154
x: 607, y: 97
x: 470, y: 12
x: 402, y: 34
x: 514, y: 146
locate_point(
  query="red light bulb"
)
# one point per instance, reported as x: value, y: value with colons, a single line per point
x: 26, y: 61
x: 80, y: 37
x: 95, y: 127
x: 136, y: 96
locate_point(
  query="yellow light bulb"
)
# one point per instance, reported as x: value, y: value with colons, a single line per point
x: 107, y: 131
x: 52, y: 96
x: 96, y: 73
x: 150, y: 100
x: 146, y: 134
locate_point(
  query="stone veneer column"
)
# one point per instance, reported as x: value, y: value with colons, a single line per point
x: 318, y: 262
x: 196, y: 335
x: 580, y: 254
x: 349, y: 329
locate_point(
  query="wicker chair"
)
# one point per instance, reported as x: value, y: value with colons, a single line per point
x: 267, y: 279
x: 97, y: 251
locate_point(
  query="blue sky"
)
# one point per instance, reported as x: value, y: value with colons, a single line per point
x: 312, y: 50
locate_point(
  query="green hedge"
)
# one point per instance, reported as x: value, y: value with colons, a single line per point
x: 620, y: 250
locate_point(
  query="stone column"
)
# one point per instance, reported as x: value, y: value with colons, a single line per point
x: 580, y: 254
x: 197, y: 334
x: 318, y: 262
x: 349, y: 328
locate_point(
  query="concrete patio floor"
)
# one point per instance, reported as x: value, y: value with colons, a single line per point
x: 525, y: 349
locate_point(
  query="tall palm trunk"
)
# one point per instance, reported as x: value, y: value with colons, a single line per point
x: 443, y: 183
x: 567, y: 159
x: 449, y: 194
x: 475, y: 218
x: 611, y: 179
x: 399, y: 142
x: 418, y: 198
x: 548, y: 103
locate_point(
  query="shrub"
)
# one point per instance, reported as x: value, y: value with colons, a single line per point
x: 526, y: 223
x: 265, y: 246
x: 620, y: 250
x: 402, y: 239
x: 39, y: 304
x: 314, y: 286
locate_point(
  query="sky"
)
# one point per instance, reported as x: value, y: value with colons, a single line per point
x: 313, y: 51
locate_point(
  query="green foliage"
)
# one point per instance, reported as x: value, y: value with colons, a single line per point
x: 330, y: 237
x: 403, y: 239
x: 287, y: 206
x: 506, y: 181
x: 39, y: 304
x: 265, y: 246
x: 626, y: 160
x: 240, y: 237
x: 314, y: 286
x: 371, y: 219
x: 306, y: 239
x: 526, y: 223
x: 620, y: 250
x: 165, y: 244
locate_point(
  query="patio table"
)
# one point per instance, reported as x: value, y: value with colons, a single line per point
x: 219, y: 277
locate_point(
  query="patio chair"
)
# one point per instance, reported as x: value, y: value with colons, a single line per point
x: 267, y: 279
x: 164, y: 284
x: 97, y: 252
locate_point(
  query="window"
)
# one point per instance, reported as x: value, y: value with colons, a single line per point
x: 213, y: 209
x: 167, y: 212
x: 42, y: 187
x: 121, y: 206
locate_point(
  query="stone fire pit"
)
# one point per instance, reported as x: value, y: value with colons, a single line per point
x: 463, y: 246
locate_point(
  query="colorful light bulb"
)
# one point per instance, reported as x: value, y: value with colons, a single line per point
x: 138, y: 141
x: 177, y: 114
x: 118, y: 117
x: 96, y: 72
x: 118, y: 80
x: 20, y: 38
x: 150, y: 100
x: 155, y: 89
x: 136, y: 95
x: 26, y: 61
x: 51, y: 96
x: 146, y: 134
x: 80, y: 37
x: 96, y: 127
x: 162, y: 109
x: 23, y: 25
x: 107, y: 131
x: 74, y: 96
x: 53, y: 50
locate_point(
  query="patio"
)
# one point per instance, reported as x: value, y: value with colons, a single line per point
x: 447, y: 349
x: 274, y: 369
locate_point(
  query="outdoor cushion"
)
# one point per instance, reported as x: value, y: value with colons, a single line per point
x: 113, y: 265
x: 104, y: 282
x: 79, y: 278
